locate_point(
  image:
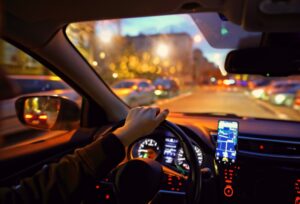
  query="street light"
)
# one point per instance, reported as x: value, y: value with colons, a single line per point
x: 102, y: 55
x: 115, y: 75
x: 163, y: 50
x: 94, y: 63
x: 198, y: 38
x: 106, y: 36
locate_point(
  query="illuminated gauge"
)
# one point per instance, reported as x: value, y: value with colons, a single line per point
x: 180, y: 161
x: 147, y: 148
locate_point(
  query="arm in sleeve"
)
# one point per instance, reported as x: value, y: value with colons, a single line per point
x: 64, y: 182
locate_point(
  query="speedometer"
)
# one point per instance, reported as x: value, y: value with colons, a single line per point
x: 146, y: 148
x: 181, y: 162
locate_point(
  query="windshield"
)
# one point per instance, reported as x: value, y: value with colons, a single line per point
x: 180, y: 59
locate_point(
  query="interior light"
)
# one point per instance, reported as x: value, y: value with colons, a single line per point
x: 224, y: 31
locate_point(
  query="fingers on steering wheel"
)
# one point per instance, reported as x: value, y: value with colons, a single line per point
x: 162, y: 115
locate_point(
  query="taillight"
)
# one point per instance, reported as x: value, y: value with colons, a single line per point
x: 28, y: 116
x: 43, y: 117
x: 297, y: 101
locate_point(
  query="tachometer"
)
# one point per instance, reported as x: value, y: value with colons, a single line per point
x: 180, y: 161
x: 147, y: 148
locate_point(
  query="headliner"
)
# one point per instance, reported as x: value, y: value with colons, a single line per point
x: 33, y: 22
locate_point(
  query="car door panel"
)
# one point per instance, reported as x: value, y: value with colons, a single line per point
x: 22, y: 160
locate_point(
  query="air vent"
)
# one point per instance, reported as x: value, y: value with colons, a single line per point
x: 267, y: 147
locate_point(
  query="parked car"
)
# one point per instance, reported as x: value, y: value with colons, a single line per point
x: 135, y: 92
x: 285, y: 96
x: 276, y: 86
x: 296, y: 104
x: 258, y: 83
x: 166, y: 87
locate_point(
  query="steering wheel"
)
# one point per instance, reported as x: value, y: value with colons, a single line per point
x: 139, y: 180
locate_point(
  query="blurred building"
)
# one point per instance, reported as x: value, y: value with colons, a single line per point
x: 14, y: 61
x: 204, y: 70
x: 173, y: 52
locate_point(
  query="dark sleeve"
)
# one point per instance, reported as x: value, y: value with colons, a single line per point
x: 64, y: 182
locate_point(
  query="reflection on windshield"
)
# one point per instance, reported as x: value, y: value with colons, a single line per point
x: 173, y: 65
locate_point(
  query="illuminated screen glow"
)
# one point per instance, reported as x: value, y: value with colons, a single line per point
x: 227, y: 142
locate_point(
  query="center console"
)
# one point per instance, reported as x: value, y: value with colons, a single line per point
x: 226, y: 156
x: 255, y: 176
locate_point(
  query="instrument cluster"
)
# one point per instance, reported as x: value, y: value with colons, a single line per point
x: 166, y: 150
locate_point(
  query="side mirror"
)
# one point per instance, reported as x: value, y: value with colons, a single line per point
x: 48, y: 112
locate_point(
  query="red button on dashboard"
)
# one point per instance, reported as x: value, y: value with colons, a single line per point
x: 228, y: 191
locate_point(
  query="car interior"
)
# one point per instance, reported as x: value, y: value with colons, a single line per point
x: 237, y: 146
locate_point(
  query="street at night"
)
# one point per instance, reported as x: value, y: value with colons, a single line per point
x: 211, y: 99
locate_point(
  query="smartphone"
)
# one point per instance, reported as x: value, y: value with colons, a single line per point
x: 227, y: 142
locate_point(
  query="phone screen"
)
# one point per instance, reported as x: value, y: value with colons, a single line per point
x: 227, y: 142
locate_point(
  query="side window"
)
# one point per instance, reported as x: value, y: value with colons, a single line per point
x: 27, y: 86
x: 32, y: 85
x: 28, y: 77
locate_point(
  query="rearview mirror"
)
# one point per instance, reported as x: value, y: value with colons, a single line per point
x: 48, y: 112
x: 266, y: 61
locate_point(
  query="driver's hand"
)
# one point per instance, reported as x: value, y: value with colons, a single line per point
x: 140, y: 121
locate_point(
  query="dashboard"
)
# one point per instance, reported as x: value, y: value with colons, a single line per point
x: 260, y: 162
x: 265, y: 168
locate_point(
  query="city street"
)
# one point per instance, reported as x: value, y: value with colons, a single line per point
x: 205, y: 99
x: 211, y: 99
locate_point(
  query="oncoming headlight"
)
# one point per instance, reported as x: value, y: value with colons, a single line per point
x: 279, y: 98
x: 257, y: 93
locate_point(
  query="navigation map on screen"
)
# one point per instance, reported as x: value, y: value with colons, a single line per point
x: 227, y: 142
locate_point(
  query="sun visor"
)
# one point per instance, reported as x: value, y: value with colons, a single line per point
x: 221, y: 33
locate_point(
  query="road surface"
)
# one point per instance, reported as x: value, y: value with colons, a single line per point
x: 211, y: 99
